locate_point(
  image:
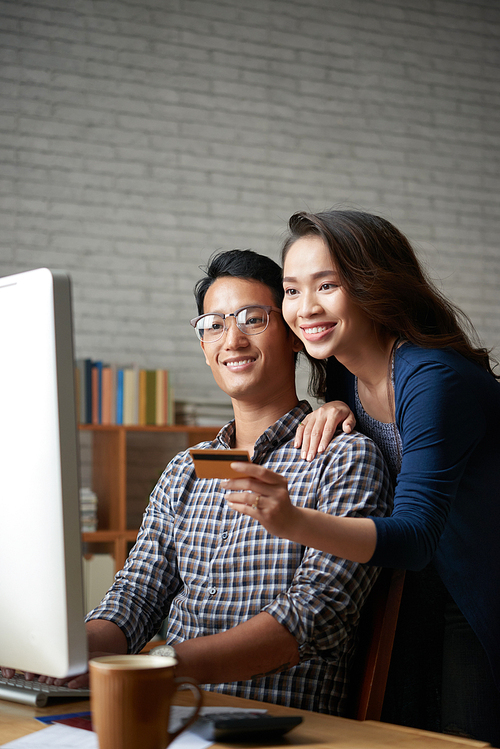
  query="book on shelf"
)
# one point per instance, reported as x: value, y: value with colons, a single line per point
x: 209, y: 413
x: 109, y: 392
x: 130, y: 395
x: 96, y: 388
x: 83, y: 381
x: 88, y: 510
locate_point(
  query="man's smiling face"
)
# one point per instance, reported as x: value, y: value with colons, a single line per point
x: 247, y: 367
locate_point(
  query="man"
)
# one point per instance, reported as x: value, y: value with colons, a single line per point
x: 248, y: 614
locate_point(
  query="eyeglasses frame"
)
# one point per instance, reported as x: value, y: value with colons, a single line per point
x: 266, y: 307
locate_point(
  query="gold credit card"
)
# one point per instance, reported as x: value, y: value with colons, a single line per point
x: 214, y: 464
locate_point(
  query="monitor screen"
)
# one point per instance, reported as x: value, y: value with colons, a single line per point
x: 41, y: 591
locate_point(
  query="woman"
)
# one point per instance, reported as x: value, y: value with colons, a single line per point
x: 386, y: 342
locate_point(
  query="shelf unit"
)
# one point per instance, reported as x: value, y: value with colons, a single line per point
x: 124, y: 473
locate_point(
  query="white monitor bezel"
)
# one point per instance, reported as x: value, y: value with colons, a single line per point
x: 41, y: 588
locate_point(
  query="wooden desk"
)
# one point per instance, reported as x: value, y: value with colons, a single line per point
x: 317, y: 731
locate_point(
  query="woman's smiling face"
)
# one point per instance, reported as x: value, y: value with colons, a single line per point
x: 316, y: 307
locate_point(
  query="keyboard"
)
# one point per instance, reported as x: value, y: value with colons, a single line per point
x: 17, y: 689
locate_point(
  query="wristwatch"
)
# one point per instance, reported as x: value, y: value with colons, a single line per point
x: 167, y: 651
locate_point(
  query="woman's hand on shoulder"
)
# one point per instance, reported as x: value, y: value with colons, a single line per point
x: 318, y: 428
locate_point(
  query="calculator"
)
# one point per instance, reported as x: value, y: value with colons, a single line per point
x: 245, y: 725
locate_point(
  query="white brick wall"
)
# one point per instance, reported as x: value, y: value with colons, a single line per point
x: 138, y: 136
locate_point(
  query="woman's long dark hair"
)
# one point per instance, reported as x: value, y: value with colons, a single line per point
x: 379, y: 271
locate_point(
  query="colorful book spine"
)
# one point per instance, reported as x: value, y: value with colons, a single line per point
x: 130, y: 395
x: 111, y: 394
x: 97, y: 392
x: 142, y: 398
x: 150, y: 397
x: 107, y: 395
x: 119, y: 395
x: 86, y: 391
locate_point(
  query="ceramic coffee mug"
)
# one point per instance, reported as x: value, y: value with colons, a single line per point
x: 130, y: 697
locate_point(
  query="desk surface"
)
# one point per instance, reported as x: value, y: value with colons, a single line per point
x: 317, y: 731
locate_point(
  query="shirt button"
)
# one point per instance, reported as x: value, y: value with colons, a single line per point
x: 224, y: 535
x: 212, y: 591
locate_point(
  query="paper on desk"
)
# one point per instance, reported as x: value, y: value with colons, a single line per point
x: 59, y: 736
x: 56, y: 736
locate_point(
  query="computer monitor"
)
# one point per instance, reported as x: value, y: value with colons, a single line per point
x: 41, y: 590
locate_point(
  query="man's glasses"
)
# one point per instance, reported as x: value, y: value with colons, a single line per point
x: 250, y: 320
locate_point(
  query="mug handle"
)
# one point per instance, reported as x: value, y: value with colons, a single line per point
x: 193, y: 686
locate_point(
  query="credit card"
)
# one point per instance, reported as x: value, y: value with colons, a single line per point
x: 214, y: 464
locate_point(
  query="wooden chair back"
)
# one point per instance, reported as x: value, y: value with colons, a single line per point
x: 376, y: 631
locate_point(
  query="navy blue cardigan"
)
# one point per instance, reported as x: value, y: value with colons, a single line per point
x: 447, y: 497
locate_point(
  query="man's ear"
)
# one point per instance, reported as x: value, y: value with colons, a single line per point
x: 297, y: 344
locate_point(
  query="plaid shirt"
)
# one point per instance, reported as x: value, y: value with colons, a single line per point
x: 208, y: 568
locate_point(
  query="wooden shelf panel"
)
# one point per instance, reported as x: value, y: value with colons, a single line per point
x: 186, y: 428
x: 123, y: 476
x: 98, y: 537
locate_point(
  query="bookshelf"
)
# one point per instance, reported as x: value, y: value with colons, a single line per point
x: 125, y: 464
